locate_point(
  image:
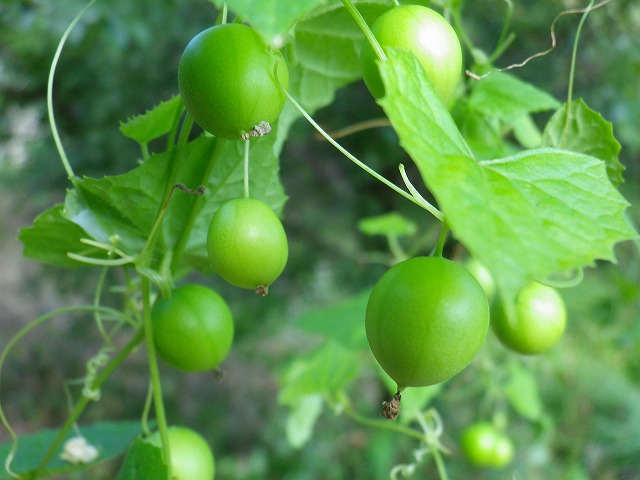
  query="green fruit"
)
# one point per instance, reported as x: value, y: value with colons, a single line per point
x: 192, y: 329
x: 191, y: 456
x: 247, y: 244
x: 427, y: 35
x: 539, y: 320
x: 486, y: 446
x: 226, y: 80
x: 484, y: 277
x: 426, y: 319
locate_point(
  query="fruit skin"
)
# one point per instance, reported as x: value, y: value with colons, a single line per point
x: 226, y: 80
x: 247, y: 244
x: 193, y: 329
x: 191, y: 456
x: 539, y: 320
x: 486, y: 446
x: 426, y: 34
x: 426, y: 319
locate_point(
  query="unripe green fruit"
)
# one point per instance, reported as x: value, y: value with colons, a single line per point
x: 192, y: 329
x: 427, y: 35
x: 227, y: 80
x: 247, y: 244
x: 426, y: 319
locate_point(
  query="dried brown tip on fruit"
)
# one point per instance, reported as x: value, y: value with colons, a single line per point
x: 391, y: 409
x: 263, y: 128
x: 262, y: 290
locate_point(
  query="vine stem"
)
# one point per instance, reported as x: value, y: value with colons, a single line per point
x: 196, y: 207
x: 154, y: 372
x: 384, y: 424
x: 373, y: 41
x: 24, y: 331
x: 572, y: 69
x: 52, y: 71
x: 346, y: 153
x: 82, y: 402
x: 441, y: 240
x: 175, y: 168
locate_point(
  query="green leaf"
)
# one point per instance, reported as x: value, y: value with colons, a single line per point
x: 503, y: 96
x: 525, y: 216
x: 272, y: 18
x: 586, y: 131
x: 327, y: 370
x: 302, y: 418
x: 527, y: 132
x: 327, y: 51
x: 153, y: 123
x: 343, y: 323
x: 52, y: 236
x: 522, y: 392
x: 126, y: 206
x: 110, y: 438
x: 143, y: 461
x: 389, y: 224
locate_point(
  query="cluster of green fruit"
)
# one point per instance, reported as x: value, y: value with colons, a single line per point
x: 227, y: 82
x: 427, y: 317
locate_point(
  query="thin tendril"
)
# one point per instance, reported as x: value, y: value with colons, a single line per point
x: 572, y: 71
x: 544, y: 52
x: 54, y: 63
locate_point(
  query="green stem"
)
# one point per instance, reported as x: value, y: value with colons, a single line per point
x: 177, y: 157
x: 84, y: 401
x: 52, y: 71
x: 384, y: 424
x: 441, y: 240
x: 246, y: 168
x: 572, y: 70
x: 437, y: 457
x: 362, y: 23
x: 154, y: 372
x: 342, y: 150
x: 196, y: 207
x: 460, y: 30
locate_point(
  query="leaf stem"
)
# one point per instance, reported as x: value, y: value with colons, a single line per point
x: 52, y: 71
x: 342, y: 150
x: 196, y: 207
x: 362, y: 23
x: 384, y: 424
x: 155, y: 373
x: 441, y: 240
x: 572, y: 70
x: 178, y: 154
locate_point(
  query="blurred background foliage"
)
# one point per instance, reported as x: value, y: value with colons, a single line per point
x: 121, y: 60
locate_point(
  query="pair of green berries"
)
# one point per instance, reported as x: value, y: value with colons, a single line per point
x: 247, y: 246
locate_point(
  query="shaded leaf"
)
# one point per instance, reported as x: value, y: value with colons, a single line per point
x: 126, y: 206
x: 585, y: 131
x: 153, y: 123
x: 503, y: 96
x: 343, y: 323
x: 110, y: 438
x: 302, y: 418
x: 52, y: 236
x: 392, y: 224
x: 522, y: 392
x: 327, y: 370
x: 272, y: 18
x: 143, y: 461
